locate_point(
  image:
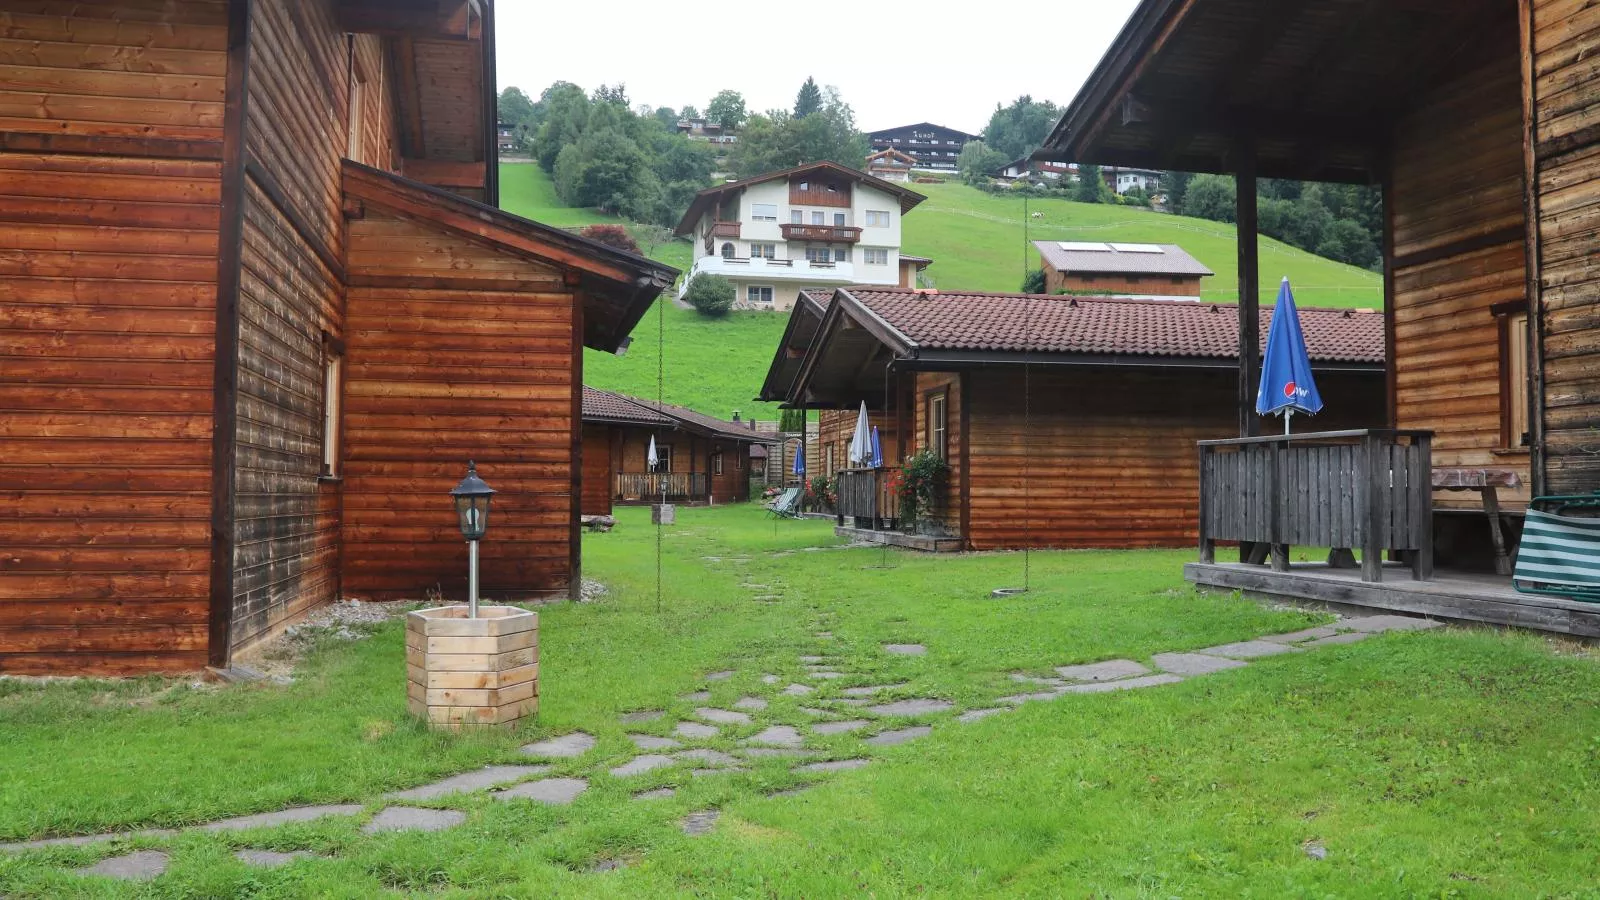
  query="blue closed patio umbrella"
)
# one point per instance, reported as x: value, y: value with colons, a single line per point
x: 1287, y: 386
x: 800, y: 460
x: 877, y: 450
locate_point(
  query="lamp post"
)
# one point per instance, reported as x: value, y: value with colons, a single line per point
x: 472, y: 498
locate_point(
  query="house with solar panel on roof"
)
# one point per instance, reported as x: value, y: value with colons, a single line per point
x: 1065, y: 421
x: 1139, y: 270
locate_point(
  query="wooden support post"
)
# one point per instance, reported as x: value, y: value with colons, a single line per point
x: 1422, y: 507
x: 1375, y: 472
x: 1208, y: 544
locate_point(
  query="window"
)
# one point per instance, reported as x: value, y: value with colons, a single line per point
x: 796, y: 217
x: 663, y: 457
x: 841, y: 254
x: 758, y: 294
x: 938, y: 425
x: 358, y: 96
x: 877, y: 218
x: 818, y: 254
x: 875, y: 256
x: 727, y: 251
x: 738, y: 462
x: 827, y: 461
x: 838, y: 220
x: 716, y: 463
x: 1514, y: 379
x: 764, y: 212
x: 332, y: 394
x: 817, y: 218
x: 763, y: 251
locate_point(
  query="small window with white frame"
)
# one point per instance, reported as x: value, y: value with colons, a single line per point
x: 818, y: 218
x: 838, y: 220
x: 877, y: 218
x: 332, y: 401
x: 875, y: 256
x: 757, y: 293
x: 841, y: 254
x: 796, y: 217
x: 716, y: 463
x: 764, y: 212
x: 763, y: 251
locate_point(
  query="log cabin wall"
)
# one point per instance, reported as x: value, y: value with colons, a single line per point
x: 1566, y: 109
x: 733, y: 485
x: 838, y: 426
x: 111, y: 121
x: 1108, y: 459
x: 286, y: 519
x: 478, y: 364
x: 1459, y: 247
x: 601, y: 444
x: 949, y: 385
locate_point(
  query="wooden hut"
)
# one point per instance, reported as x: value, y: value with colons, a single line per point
x: 1065, y: 422
x: 1478, y: 120
x: 258, y: 312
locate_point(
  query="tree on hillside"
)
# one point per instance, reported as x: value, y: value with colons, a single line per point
x: 1177, y: 187
x: 809, y: 99
x: 612, y: 236
x: 1091, y: 186
x: 565, y: 115
x: 1346, y: 241
x: 1033, y: 282
x: 515, y: 108
x: 1017, y: 130
x: 667, y: 116
x: 689, y: 112
x: 727, y: 109
x: 792, y: 421
x: 616, y: 96
x: 1211, y: 197
x: 978, y: 161
x: 778, y: 140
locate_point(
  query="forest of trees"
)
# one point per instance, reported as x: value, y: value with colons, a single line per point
x: 1339, y: 221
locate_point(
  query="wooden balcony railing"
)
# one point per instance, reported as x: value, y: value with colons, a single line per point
x: 1368, y: 490
x: 864, y: 495
x: 725, y: 229
x: 833, y: 234
x: 646, y: 486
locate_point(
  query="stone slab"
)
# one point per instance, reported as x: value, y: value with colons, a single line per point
x: 697, y: 697
x: 724, y: 675
x: 1349, y: 637
x: 851, y: 701
x: 641, y: 764
x: 643, y: 715
x: 653, y: 742
x: 905, y: 649
x: 564, y: 747
x: 410, y: 818
x: 919, y: 706
x: 899, y: 736
x: 706, y: 756
x: 1127, y: 684
x: 1250, y: 649
x: 798, y: 690
x: 730, y: 770
x: 752, y: 704
x: 1018, y: 699
x: 833, y: 765
x: 722, y: 716
x: 770, y: 679
x: 1381, y: 624
x: 1194, y: 663
x: 467, y: 782
x: 870, y: 689
x: 811, y: 660
x: 826, y: 675
x: 270, y: 859
x: 1306, y: 634
x: 140, y: 865
x: 840, y: 727
x: 553, y: 791
x: 974, y: 715
x: 773, y: 752
x: 1109, y: 670
x: 657, y: 794
x: 696, y: 730
x: 283, y: 817
x: 698, y: 823
x: 1020, y: 678
x: 777, y: 736
x: 83, y: 840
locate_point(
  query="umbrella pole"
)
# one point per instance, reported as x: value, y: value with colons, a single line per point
x: 1287, y: 415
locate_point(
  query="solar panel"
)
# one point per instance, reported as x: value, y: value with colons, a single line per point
x: 1080, y: 247
x: 1137, y: 248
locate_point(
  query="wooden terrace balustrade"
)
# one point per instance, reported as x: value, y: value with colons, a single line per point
x: 865, y: 496
x: 647, y: 486
x: 1369, y: 489
x: 833, y: 234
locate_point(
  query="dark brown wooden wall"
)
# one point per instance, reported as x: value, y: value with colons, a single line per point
x: 733, y: 485
x: 601, y: 445
x: 1458, y: 211
x: 108, y: 267
x: 1565, y: 37
x: 923, y: 383
x: 1056, y: 281
x: 838, y: 426
x: 1109, y: 460
x: 479, y: 365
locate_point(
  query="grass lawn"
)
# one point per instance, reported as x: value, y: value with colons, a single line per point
x: 977, y: 242
x: 1445, y: 763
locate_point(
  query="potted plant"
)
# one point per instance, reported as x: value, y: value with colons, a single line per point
x: 919, y: 484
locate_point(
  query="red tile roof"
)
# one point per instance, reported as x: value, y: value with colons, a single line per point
x: 1106, y: 325
x: 605, y: 406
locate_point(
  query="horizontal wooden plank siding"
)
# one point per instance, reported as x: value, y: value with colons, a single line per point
x: 601, y: 444
x: 1566, y: 37
x: 924, y: 385
x: 481, y: 373
x: 1109, y: 460
x: 838, y: 426
x: 1459, y: 220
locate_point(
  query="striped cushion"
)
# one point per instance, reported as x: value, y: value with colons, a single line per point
x: 1559, y: 552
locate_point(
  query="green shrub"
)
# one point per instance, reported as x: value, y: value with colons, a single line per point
x: 919, y: 483
x: 712, y: 295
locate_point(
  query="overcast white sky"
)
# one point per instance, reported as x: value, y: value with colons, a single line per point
x: 948, y: 69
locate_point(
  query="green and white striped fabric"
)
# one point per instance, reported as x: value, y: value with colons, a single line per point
x: 1559, y: 555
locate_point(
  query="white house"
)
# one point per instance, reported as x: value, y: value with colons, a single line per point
x: 818, y: 226
x: 1124, y: 180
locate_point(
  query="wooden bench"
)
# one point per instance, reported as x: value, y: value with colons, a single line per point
x: 1487, y: 482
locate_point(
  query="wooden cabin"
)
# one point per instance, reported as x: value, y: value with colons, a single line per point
x: 1066, y: 422
x: 701, y: 459
x: 1478, y: 120
x: 259, y: 310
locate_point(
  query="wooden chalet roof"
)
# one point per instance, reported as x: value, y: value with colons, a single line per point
x: 804, y: 318
x: 1100, y: 258
x: 1310, y: 87
x: 865, y: 328
x: 608, y: 408
x: 891, y: 155
x: 707, y: 199
x: 617, y: 287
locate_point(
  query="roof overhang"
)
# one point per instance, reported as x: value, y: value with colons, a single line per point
x: 1308, y: 88
x: 798, y: 333
x: 849, y: 360
x: 617, y: 287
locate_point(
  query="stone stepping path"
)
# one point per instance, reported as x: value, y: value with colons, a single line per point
x: 901, y: 736
x: 1020, y: 678
x: 974, y: 715
x: 271, y: 859
x: 1128, y: 684
x: 840, y: 727
x: 833, y: 765
x: 695, y: 730
x: 777, y: 736
x: 698, y: 823
x: 914, y: 707
x: 411, y: 818
x: 1347, y: 638
x: 770, y: 679
x: 1250, y: 649
x: 1295, y: 637
x: 1019, y: 699
x: 1103, y: 671
x: 553, y: 791
x: 657, y: 794
x: 724, y: 675
x: 482, y: 779
x: 730, y: 770
x: 811, y: 660
x: 140, y: 865
x: 869, y: 690
x: 826, y: 674
x: 797, y: 690
x: 715, y: 758
x: 641, y: 764
x: 753, y: 704
x: 283, y: 817
x: 905, y: 649
x: 565, y: 747
x: 722, y: 716
x: 643, y: 715
x: 1194, y: 663
x: 653, y: 742
x: 697, y: 697
x: 774, y: 752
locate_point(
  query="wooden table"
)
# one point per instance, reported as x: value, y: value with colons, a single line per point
x: 1487, y: 483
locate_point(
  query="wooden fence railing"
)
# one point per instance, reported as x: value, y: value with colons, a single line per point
x: 1368, y: 490
x: 865, y: 496
x: 646, y: 486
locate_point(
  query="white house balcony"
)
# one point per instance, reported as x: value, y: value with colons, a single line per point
x: 776, y: 269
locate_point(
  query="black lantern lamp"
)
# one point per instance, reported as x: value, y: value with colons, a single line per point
x: 472, y: 498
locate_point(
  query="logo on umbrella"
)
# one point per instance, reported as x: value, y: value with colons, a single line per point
x: 1289, y: 390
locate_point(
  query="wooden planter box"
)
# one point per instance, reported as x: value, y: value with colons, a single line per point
x: 465, y: 672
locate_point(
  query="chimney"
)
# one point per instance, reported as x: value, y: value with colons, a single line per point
x: 736, y: 415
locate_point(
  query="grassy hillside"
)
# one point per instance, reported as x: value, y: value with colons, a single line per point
x: 977, y: 243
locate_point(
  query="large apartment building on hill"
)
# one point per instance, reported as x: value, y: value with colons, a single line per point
x: 818, y: 226
x: 933, y: 146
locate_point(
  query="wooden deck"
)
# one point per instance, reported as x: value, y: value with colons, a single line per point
x: 922, y: 542
x: 1489, y: 599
